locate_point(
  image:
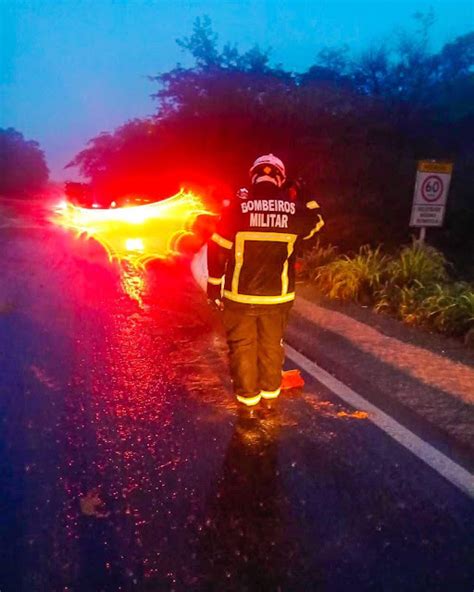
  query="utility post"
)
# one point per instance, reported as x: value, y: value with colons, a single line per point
x: 422, y: 237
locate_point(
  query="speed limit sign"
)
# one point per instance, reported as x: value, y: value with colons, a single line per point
x: 431, y: 192
x: 432, y: 188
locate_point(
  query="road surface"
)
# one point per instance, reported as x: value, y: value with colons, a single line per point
x: 123, y: 466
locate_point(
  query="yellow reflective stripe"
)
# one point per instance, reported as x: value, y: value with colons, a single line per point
x: 319, y: 225
x: 284, y: 273
x: 249, y: 401
x: 270, y: 394
x: 284, y: 276
x: 215, y: 281
x: 276, y: 237
x: 248, y: 299
x: 312, y: 205
x: 221, y: 241
x: 239, y: 260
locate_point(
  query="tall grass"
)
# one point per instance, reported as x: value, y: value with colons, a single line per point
x: 355, y: 277
x: 411, y: 279
x: 315, y: 258
x: 403, y: 301
x: 450, y: 308
x: 417, y: 263
x: 413, y: 285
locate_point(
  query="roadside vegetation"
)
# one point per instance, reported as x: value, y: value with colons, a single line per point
x: 23, y: 169
x: 414, y: 284
x: 352, y: 126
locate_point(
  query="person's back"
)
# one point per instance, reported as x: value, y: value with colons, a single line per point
x: 251, y: 266
x: 264, y: 230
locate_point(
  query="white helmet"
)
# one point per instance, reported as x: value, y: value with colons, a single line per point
x: 268, y: 168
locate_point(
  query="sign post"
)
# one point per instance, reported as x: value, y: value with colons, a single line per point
x: 430, y: 196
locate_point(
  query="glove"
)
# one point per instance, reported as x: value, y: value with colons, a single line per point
x: 214, y: 296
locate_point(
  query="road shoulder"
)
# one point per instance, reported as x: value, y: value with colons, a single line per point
x: 425, y: 382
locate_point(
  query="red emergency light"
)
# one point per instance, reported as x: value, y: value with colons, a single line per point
x: 136, y: 234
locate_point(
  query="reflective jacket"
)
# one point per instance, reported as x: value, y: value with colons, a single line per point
x: 251, y: 255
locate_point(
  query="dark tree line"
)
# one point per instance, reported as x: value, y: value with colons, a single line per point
x: 353, y: 128
x: 23, y: 170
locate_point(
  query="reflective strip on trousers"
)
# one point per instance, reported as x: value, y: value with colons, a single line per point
x: 270, y: 394
x: 249, y: 401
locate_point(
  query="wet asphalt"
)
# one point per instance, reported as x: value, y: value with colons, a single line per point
x: 124, y: 466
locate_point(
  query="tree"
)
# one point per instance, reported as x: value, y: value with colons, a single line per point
x: 353, y: 127
x: 210, y: 122
x: 23, y: 169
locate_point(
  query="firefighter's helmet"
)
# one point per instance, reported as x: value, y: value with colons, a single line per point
x: 268, y: 168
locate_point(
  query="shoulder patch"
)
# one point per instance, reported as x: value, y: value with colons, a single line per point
x: 312, y: 205
x: 243, y: 193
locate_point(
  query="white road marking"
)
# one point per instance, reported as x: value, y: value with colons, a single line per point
x: 457, y: 475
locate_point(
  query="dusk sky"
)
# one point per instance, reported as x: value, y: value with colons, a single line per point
x: 71, y: 69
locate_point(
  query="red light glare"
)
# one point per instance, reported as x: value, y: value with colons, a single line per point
x: 140, y: 233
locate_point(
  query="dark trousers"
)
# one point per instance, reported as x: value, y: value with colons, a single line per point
x: 255, y: 345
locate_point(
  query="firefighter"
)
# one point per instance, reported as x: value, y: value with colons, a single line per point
x: 251, y: 259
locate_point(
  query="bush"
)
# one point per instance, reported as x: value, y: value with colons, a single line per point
x: 410, y: 279
x: 417, y: 263
x: 356, y: 277
x: 315, y: 258
x: 450, y: 308
x: 414, y: 285
x: 403, y: 301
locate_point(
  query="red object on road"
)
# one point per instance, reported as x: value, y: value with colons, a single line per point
x: 291, y: 379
